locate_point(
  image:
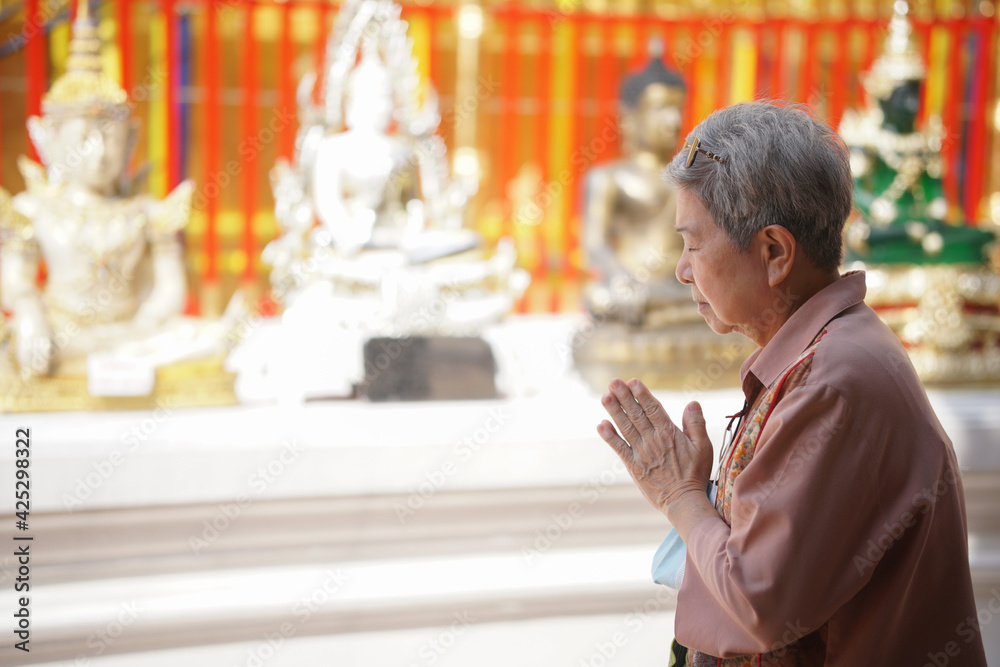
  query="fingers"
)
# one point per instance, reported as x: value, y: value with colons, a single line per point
x: 652, y: 408
x: 624, y: 422
x: 627, y: 401
x: 694, y: 425
x: 610, y: 436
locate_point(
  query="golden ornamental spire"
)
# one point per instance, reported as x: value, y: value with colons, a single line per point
x: 85, y: 89
x: 900, y: 60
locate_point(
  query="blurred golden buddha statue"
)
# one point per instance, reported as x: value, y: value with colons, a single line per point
x: 646, y: 322
x: 115, y: 280
x: 926, y: 268
x: 632, y: 248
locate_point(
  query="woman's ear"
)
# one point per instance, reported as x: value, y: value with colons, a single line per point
x: 778, y: 252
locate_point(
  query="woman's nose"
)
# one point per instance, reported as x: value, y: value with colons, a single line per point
x: 683, y: 271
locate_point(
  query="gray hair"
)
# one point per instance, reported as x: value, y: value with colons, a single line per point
x: 779, y: 166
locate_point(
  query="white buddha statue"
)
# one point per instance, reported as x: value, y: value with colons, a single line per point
x: 371, y: 168
x: 364, y: 183
x: 391, y: 255
x: 114, y: 260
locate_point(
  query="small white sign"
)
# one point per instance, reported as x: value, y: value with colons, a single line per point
x: 108, y: 375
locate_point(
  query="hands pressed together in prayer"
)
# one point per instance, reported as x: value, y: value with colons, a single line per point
x: 669, y: 465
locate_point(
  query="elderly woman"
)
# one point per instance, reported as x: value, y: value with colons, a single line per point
x: 837, y: 535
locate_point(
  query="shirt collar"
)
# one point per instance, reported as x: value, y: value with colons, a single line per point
x: 765, y: 364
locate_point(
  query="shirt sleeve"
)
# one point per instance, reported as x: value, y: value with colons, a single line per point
x: 802, y: 509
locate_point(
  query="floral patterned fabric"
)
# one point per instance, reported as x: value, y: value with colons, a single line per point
x: 746, y: 442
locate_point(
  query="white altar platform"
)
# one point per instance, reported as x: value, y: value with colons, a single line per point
x: 217, y: 522
x: 542, y: 434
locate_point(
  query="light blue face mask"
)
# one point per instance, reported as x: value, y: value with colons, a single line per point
x: 668, y: 561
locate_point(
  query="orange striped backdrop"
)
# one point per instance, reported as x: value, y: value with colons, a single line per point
x: 213, y: 83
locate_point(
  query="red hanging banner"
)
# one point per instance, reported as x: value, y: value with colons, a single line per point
x: 855, y: 37
x: 172, y: 85
x: 757, y: 35
x: 688, y: 120
x: 640, y: 47
x: 723, y: 67
x: 319, y: 51
x: 669, y: 46
x: 37, y: 63
x: 543, y: 97
x: 432, y: 60
x: 923, y: 32
x: 872, y: 29
x: 607, y: 95
x: 286, y: 86
x: 249, y: 147
x: 584, y: 94
x: 213, y: 181
x: 951, y: 147
x: 982, y: 66
x: 509, y: 111
x: 778, y: 77
x: 123, y: 17
x: 839, y: 39
x: 807, y: 81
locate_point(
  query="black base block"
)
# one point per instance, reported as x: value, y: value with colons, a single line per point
x: 428, y: 368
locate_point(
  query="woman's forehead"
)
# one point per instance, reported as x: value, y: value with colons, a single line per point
x: 692, y: 216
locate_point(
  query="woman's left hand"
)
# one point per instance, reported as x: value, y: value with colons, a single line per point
x: 666, y: 463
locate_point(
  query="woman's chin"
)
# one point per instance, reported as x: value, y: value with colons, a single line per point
x: 715, y: 324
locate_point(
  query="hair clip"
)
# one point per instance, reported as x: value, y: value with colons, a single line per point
x: 695, y: 148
